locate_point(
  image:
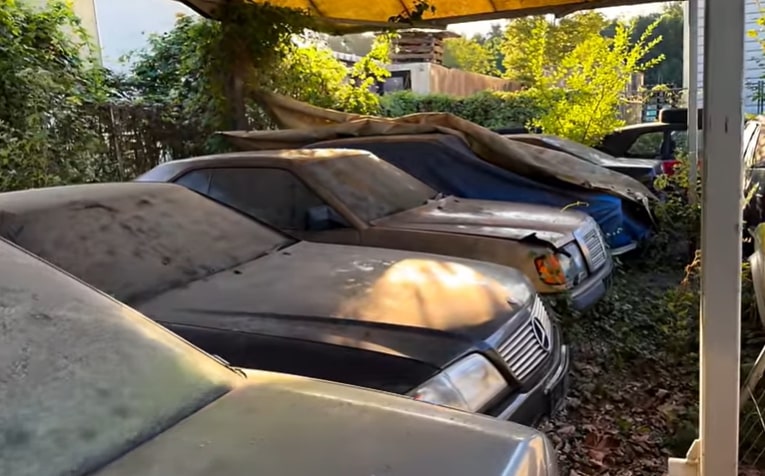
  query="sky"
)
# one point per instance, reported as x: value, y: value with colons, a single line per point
x: 125, y: 25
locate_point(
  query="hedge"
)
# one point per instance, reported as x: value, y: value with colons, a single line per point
x: 489, y: 108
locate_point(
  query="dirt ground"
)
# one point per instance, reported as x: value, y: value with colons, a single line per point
x: 633, y: 397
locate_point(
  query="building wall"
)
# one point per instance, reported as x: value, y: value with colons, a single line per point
x: 86, y: 10
x: 754, y: 68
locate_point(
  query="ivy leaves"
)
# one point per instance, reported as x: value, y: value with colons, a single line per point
x: 46, y: 79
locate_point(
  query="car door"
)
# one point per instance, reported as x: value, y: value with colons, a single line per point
x: 275, y: 196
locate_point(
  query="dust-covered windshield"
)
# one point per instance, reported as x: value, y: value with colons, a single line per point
x: 369, y: 186
x: 83, y: 378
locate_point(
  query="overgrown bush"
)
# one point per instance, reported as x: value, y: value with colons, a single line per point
x: 46, y: 82
x: 193, y: 70
x: 489, y: 109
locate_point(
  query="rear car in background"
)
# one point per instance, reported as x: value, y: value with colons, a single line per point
x: 91, y: 387
x: 661, y: 140
x: 644, y: 171
x: 352, y: 197
x: 450, y: 331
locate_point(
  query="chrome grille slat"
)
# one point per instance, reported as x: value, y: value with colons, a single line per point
x: 527, y: 344
x: 508, y: 351
x: 595, y: 252
x: 532, y: 364
x: 522, y: 350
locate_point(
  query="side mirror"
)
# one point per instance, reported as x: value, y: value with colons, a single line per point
x: 322, y: 218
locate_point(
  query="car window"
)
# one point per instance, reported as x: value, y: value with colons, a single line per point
x: 85, y: 379
x: 197, y: 180
x: 369, y: 186
x: 647, y: 145
x: 275, y: 196
x: 680, y: 141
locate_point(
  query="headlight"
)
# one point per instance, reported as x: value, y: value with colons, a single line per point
x: 572, y: 264
x: 469, y: 384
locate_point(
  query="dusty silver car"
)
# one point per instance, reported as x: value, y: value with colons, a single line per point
x: 90, y: 387
x: 455, y: 332
x: 352, y: 197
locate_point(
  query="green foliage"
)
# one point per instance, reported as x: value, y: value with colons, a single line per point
x: 669, y: 26
x: 534, y: 43
x: 414, y: 13
x: 594, y: 74
x: 678, y: 221
x: 191, y: 71
x: 489, y: 109
x: 46, y: 80
x: 469, y: 55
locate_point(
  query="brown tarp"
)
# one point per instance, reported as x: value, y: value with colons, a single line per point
x: 304, y: 124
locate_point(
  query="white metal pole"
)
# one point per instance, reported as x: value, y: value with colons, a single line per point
x: 693, y: 96
x: 721, y: 236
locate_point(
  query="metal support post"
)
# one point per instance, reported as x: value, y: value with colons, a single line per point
x: 721, y: 236
x: 693, y: 96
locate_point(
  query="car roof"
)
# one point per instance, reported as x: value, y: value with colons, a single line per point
x: 649, y: 126
x: 287, y: 158
x: 160, y: 236
x: 85, y: 378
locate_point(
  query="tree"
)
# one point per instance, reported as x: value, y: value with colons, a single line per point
x: 593, y: 76
x: 669, y: 26
x: 358, y: 44
x: 188, y: 71
x: 521, y: 41
x: 492, y: 42
x: 47, y: 81
x: 469, y: 55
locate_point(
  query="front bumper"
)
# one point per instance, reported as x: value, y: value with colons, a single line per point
x: 592, y: 290
x: 543, y: 398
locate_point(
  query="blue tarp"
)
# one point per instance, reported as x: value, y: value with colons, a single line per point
x: 448, y: 165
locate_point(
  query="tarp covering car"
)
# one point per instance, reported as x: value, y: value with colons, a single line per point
x: 447, y: 164
x: 306, y: 124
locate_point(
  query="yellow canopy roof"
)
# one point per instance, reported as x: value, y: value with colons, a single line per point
x: 376, y: 13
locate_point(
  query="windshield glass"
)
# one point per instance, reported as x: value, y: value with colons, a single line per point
x: 133, y: 240
x: 85, y: 379
x: 579, y: 150
x: 370, y: 187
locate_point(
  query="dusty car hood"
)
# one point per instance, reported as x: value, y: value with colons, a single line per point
x: 408, y: 304
x: 279, y: 425
x: 513, y: 221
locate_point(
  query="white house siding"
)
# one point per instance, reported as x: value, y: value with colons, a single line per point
x: 754, y: 69
x: 86, y: 11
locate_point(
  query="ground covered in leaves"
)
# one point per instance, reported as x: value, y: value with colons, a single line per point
x: 634, y: 388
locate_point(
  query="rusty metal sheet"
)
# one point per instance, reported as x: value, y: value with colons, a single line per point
x: 305, y: 124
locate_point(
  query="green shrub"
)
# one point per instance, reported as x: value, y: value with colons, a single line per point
x: 46, y: 80
x: 489, y: 108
